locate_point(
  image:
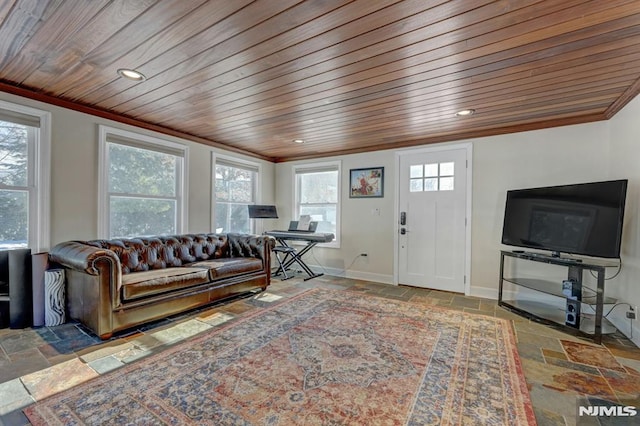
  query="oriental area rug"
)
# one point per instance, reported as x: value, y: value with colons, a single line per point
x: 320, y: 358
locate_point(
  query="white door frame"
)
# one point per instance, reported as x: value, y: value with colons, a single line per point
x: 468, y: 146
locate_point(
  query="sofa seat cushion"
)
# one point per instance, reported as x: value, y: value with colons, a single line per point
x: 147, y: 283
x: 227, y: 267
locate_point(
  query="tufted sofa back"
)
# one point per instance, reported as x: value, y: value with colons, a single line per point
x: 145, y: 253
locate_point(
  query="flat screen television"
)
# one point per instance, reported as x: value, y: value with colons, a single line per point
x: 584, y: 219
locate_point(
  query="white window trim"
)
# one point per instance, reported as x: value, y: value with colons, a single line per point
x: 258, y: 226
x: 146, y: 142
x: 40, y: 166
x: 310, y: 166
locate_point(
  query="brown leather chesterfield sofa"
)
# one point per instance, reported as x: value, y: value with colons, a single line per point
x: 115, y: 284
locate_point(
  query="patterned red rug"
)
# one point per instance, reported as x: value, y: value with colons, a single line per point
x: 320, y: 358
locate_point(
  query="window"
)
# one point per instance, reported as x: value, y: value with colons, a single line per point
x: 141, y: 185
x: 235, y: 188
x: 24, y: 177
x: 317, y: 193
x: 431, y: 177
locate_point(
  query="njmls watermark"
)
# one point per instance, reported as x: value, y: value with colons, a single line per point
x: 608, y: 411
x: 603, y: 409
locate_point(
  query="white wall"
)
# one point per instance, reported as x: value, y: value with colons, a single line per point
x: 74, y: 173
x: 563, y: 155
x: 557, y: 156
x: 624, y: 163
x: 361, y: 231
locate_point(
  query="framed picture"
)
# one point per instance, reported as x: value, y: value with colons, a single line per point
x: 366, y: 183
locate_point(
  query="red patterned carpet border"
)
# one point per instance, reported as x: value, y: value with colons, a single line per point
x: 323, y: 357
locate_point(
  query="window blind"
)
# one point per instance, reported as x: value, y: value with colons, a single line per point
x: 142, y: 144
x: 19, y: 118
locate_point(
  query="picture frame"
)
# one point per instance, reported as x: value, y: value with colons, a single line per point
x: 366, y: 183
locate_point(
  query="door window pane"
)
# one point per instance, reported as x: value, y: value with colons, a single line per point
x: 446, y: 184
x: 431, y: 170
x: 438, y: 177
x: 431, y: 184
x: 415, y: 185
x: 446, y: 169
x: 416, y: 171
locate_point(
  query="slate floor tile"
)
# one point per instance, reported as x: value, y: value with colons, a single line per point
x: 57, y: 378
x: 557, y: 373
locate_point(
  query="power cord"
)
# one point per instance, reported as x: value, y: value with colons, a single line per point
x: 615, y: 306
x: 606, y: 279
x: 351, y: 264
x: 318, y: 262
x: 614, y: 275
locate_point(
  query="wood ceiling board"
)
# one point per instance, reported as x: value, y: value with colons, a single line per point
x: 548, y: 63
x: 404, y: 60
x: 299, y: 57
x: 348, y: 76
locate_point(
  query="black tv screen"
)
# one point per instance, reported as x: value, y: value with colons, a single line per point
x: 584, y: 219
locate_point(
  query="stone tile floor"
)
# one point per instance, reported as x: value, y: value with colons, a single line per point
x: 559, y: 368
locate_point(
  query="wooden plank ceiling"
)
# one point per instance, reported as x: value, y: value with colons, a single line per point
x: 344, y: 76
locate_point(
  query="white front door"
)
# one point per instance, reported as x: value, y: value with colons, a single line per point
x: 432, y: 228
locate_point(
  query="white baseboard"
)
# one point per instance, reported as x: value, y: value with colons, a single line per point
x: 623, y: 324
x: 485, y: 293
x: 358, y: 275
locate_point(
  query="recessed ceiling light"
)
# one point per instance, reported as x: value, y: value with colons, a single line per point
x: 298, y: 141
x: 131, y: 74
x: 465, y: 112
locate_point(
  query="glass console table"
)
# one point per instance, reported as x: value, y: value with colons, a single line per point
x: 559, y: 303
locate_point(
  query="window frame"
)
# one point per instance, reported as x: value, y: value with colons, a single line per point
x: 139, y: 141
x: 39, y: 175
x: 229, y: 161
x: 315, y: 168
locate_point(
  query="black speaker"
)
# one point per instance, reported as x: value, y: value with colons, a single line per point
x: 572, y: 313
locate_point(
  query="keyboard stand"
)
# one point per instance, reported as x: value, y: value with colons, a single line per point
x: 293, y: 256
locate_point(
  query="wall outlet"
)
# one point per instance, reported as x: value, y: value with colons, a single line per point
x: 632, y: 313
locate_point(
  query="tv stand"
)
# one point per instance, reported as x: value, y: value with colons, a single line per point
x: 557, y: 255
x: 560, y: 303
x: 553, y: 255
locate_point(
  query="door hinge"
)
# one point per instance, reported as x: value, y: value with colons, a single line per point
x: 464, y: 281
x: 466, y: 164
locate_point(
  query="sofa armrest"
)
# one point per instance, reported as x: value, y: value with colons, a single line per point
x: 82, y: 257
x: 95, y: 261
x: 246, y: 245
